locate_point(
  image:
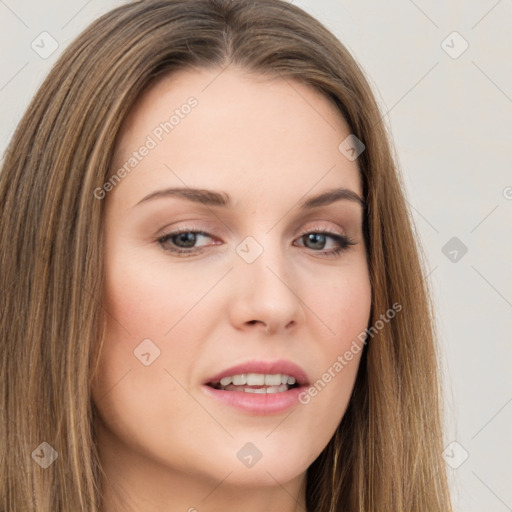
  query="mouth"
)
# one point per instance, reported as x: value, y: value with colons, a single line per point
x: 258, y: 387
x: 256, y: 383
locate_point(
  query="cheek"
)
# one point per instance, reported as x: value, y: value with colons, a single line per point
x: 151, y: 318
x: 344, y: 310
x: 341, y: 302
x: 142, y: 307
x: 147, y: 299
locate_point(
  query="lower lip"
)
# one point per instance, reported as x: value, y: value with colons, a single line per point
x: 257, y: 403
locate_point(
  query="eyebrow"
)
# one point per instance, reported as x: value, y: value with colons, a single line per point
x: 213, y: 198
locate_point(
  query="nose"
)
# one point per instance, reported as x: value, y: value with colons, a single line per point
x: 266, y: 297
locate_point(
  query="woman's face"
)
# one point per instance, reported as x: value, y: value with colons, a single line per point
x: 252, y: 285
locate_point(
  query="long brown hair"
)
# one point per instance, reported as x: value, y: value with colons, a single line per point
x: 386, y: 453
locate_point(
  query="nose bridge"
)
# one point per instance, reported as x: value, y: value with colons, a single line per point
x: 264, y: 258
x: 264, y: 283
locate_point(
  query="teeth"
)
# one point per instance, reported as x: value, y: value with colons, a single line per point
x: 239, y: 380
x: 275, y: 383
x: 269, y: 390
x: 255, y: 379
x: 273, y: 380
x: 256, y: 390
x: 261, y: 391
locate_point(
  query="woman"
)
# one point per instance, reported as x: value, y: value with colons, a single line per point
x: 212, y: 292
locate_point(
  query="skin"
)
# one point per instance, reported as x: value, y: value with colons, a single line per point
x: 164, y: 444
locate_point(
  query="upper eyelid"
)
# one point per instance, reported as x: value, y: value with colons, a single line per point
x: 186, y: 229
x: 328, y: 231
x: 207, y: 227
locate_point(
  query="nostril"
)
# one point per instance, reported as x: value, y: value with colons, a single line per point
x: 252, y: 322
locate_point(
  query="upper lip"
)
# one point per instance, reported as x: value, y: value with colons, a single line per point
x: 265, y: 367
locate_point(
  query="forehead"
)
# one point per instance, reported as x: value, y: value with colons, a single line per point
x: 270, y: 135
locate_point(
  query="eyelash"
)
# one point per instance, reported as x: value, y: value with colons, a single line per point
x: 344, y: 242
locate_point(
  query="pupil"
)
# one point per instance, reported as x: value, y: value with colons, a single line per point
x: 318, y: 239
x: 187, y: 238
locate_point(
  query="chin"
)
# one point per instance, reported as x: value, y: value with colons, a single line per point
x: 258, y: 464
x: 262, y: 475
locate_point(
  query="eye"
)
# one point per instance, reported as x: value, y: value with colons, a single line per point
x: 184, y: 242
x: 317, y: 241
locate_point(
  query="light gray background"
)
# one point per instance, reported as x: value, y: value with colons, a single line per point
x: 451, y: 119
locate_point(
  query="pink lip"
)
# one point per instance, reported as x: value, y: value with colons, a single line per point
x: 260, y: 404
